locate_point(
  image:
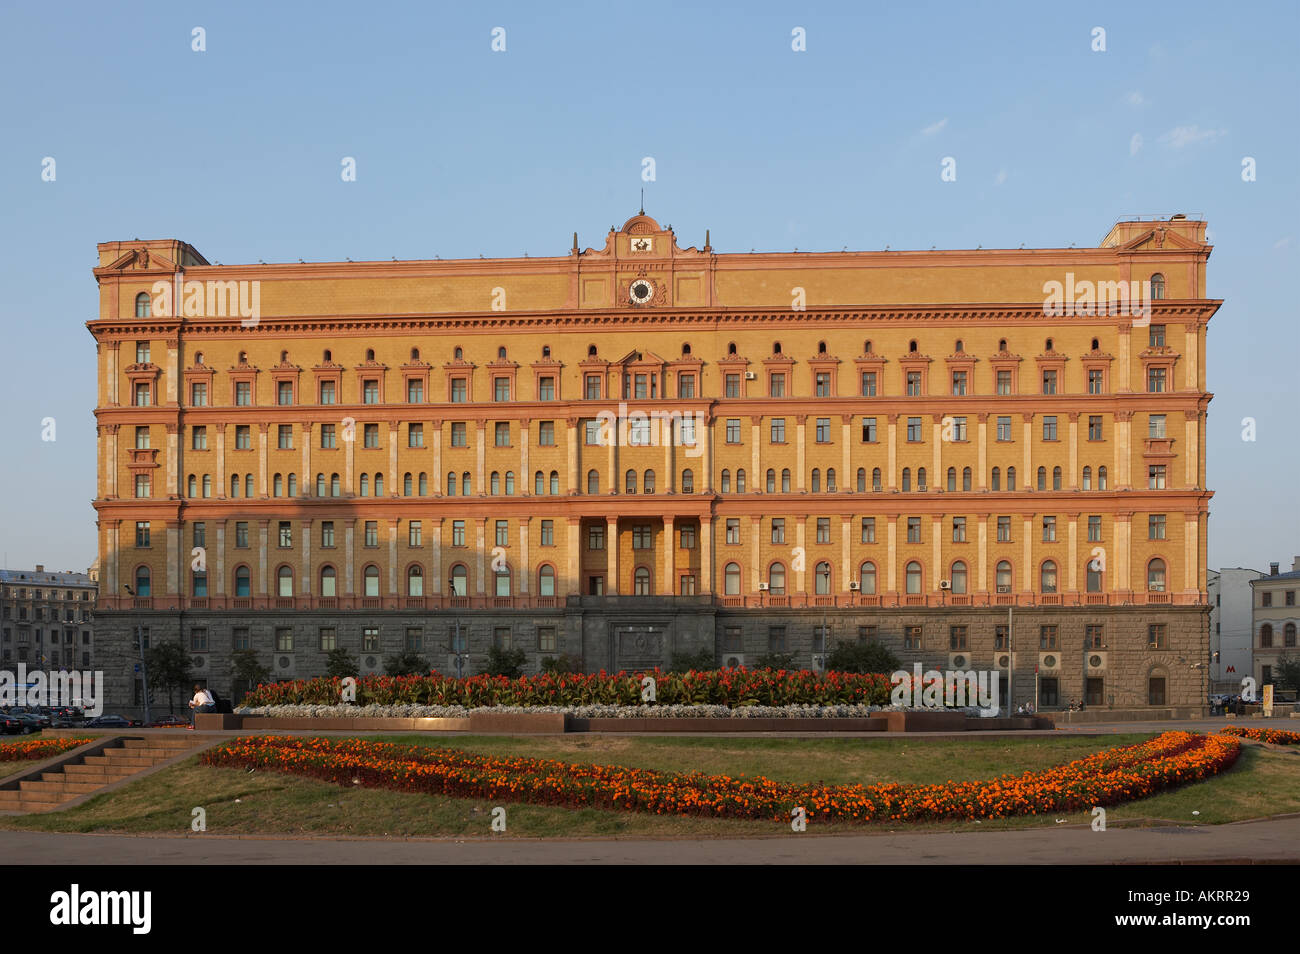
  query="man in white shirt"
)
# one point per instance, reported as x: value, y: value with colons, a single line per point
x: 202, y: 702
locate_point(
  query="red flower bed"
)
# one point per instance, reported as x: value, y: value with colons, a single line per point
x: 37, y: 748
x: 722, y: 687
x: 1275, y: 736
x: 1106, y: 778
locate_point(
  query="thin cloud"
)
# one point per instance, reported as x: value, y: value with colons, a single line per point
x: 1135, y: 98
x: 1182, y: 136
x: 1135, y: 144
x: 935, y: 128
x: 1001, y: 177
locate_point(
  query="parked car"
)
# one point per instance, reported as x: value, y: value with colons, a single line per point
x: 67, y: 718
x: 169, y: 722
x: 33, y: 721
x: 109, y: 722
x: 11, y: 725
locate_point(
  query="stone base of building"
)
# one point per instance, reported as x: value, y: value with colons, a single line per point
x: 615, y: 633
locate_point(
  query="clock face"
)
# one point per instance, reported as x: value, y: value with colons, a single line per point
x: 642, y: 244
x: 641, y: 291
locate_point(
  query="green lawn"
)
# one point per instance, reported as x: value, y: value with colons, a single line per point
x: 237, y: 802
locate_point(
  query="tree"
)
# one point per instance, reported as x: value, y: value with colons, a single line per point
x: 701, y: 661
x: 862, y: 657
x: 169, y: 669
x: 340, y: 664
x: 1286, y: 674
x: 505, y: 662
x: 561, y: 663
x: 247, y: 670
x: 406, y: 664
x: 775, y: 661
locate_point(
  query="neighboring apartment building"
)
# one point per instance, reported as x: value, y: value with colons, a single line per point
x: 46, y: 619
x: 902, y: 444
x: 1231, y: 642
x: 1276, y: 618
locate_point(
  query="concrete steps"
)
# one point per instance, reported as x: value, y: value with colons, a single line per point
x: 95, y: 772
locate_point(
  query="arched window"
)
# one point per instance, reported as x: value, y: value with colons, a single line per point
x: 327, y: 356
x: 320, y: 485
x: 785, y: 480
x: 1094, y: 577
x: 688, y: 481
x: 686, y: 348
x: 408, y: 485
x: 451, y: 485
x: 641, y: 581
x: 862, y: 480
x: 293, y: 485
x: 142, y: 580
x: 415, y: 581
x: 875, y: 479
x: 458, y: 353
x: 920, y: 479
x: 494, y: 483
x: 830, y: 480
x: 740, y: 481
x: 234, y: 485
x: 1288, y: 636
x: 1042, y: 478
x: 1047, y: 347
x: 1011, y: 478
x: 465, y: 484
x: 867, y: 579
x: 913, y: 578
x: 415, y: 354
x: 629, y: 482
x: 1002, y: 344
x: 371, y: 580
x: 192, y: 486
x: 821, y: 347
x: 546, y: 580
x: 726, y: 482
x: 510, y: 483
x: 1047, y: 576
x: 816, y: 480
x: 365, y: 485
x: 243, y: 584
x: 1056, y: 478
x: 591, y: 351
x: 1087, y: 478
x: 952, y: 480
x: 142, y: 306
x: 207, y: 485
x: 539, y: 483
x: 965, y: 478
x: 958, y: 579
x: 284, y: 581
x: 1156, y: 576
x: 424, y: 484
x: 776, y: 579
x: 995, y: 480
x: 1101, y: 478
x: 866, y: 346
x: 731, y: 347
x: 200, y: 584
x: 731, y: 579
x: 771, y: 481
x: 593, y: 482
x: 1004, y: 576
x: 459, y: 580
x: 911, y: 346
x: 336, y: 487
x: 907, y: 479
x: 379, y: 485
x: 248, y: 485
x: 370, y: 354
x: 501, y: 354
x: 1266, y: 636
x: 822, y: 579
x: 328, y: 581
x: 555, y: 482
x: 776, y: 347
x: 959, y: 349
x: 648, y: 482
x: 1157, y: 286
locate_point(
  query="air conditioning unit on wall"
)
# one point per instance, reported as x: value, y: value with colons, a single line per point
x: 854, y: 585
x: 751, y: 376
x: 959, y: 660
x: 733, y: 660
x: 945, y: 584
x: 819, y: 662
x: 762, y: 587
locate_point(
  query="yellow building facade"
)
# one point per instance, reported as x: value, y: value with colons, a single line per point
x: 642, y: 450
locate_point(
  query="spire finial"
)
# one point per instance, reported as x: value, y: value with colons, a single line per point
x: 643, y: 201
x: 706, y: 238
x: 575, y: 241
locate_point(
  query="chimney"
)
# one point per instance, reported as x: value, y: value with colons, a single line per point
x: 1272, y: 569
x: 1295, y: 565
x: 40, y: 568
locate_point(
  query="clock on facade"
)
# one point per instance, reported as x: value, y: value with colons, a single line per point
x: 641, y: 291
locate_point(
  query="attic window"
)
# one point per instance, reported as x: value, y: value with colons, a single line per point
x: 370, y: 354
x: 776, y: 347
x: 821, y: 347
x: 1002, y: 344
x: 1157, y: 286
x: 591, y: 351
x: 1048, y: 346
x: 415, y: 354
x: 546, y: 351
x: 959, y: 349
x: 329, y: 355
x: 1096, y: 344
x: 866, y: 346
x: 731, y: 348
x: 142, y: 306
x: 686, y: 349
x: 911, y: 346
x: 284, y: 357
x: 501, y: 353
x: 458, y: 354
x: 198, y: 357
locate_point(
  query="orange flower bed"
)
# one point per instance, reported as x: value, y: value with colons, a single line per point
x: 37, y: 749
x: 1115, y: 775
x: 1275, y: 736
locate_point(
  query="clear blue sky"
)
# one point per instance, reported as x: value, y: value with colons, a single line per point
x: 462, y: 151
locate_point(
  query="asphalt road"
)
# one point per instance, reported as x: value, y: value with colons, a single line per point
x: 1274, y: 841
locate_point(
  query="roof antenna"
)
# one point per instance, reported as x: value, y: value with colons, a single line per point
x: 643, y: 201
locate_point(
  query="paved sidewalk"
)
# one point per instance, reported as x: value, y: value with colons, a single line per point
x: 1275, y: 841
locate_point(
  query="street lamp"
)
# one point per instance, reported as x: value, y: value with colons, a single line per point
x: 456, y: 647
x: 144, y: 669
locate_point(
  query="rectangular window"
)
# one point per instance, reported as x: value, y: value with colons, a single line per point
x: 957, y: 636
x: 1094, y: 528
x: 372, y: 533
x: 823, y: 529
x: 548, y: 533
x: 958, y: 383
x: 284, y: 393
x: 414, y: 533
x: 327, y: 437
x: 778, y: 530
x: 733, y: 530
x: 414, y: 639
x: 914, y: 384
x: 143, y: 487
x: 327, y: 534
x: 913, y: 529
x: 1094, y: 427
x: 200, y: 531
x: 459, y: 390
x: 458, y: 533
x: 1000, y: 637
x: 327, y: 395
x: 370, y: 435
x: 822, y: 384
x: 142, y: 534
x: 1004, y: 529
x: 591, y: 433
x: 243, y: 437
x: 1155, y: 526
x: 501, y: 389
x: 546, y: 388
x: 1094, y: 636
x: 1096, y: 379
x: 778, y: 430
x: 501, y: 434
x: 414, y: 391
x: 642, y: 538
x: 501, y: 637
x: 687, y: 537
x: 868, y: 383
x: 370, y: 639
x: 1049, y: 427
x: 958, y: 529
x: 329, y: 640
x: 913, y: 430
x: 1156, y: 477
x: 1155, y: 426
x: 958, y: 428
x: 1049, y: 382
x: 243, y: 393
x: 1155, y: 380
x: 370, y: 391
x: 1047, y: 637
x: 199, y: 438
x: 1049, y: 529
x: 283, y: 639
x: 732, y: 386
x: 1157, y: 636
x: 286, y: 534
x: 415, y: 435
x: 459, y: 434
x: 239, y: 638
x: 546, y: 642
x: 1156, y: 336
x: 591, y: 387
x: 545, y: 433
x: 685, y: 385
x: 868, y: 529
x: 776, y: 384
x: 503, y: 533
x: 911, y: 637
x: 868, y: 430
x: 733, y: 430
x: 199, y: 394
x: 1004, y: 383
x: 823, y: 430
x: 1004, y: 429
x: 596, y: 537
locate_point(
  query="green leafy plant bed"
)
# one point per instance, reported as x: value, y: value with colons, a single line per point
x: 732, y: 688
x: 374, y: 711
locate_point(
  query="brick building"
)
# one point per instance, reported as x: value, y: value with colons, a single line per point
x: 639, y: 450
x: 47, y: 620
